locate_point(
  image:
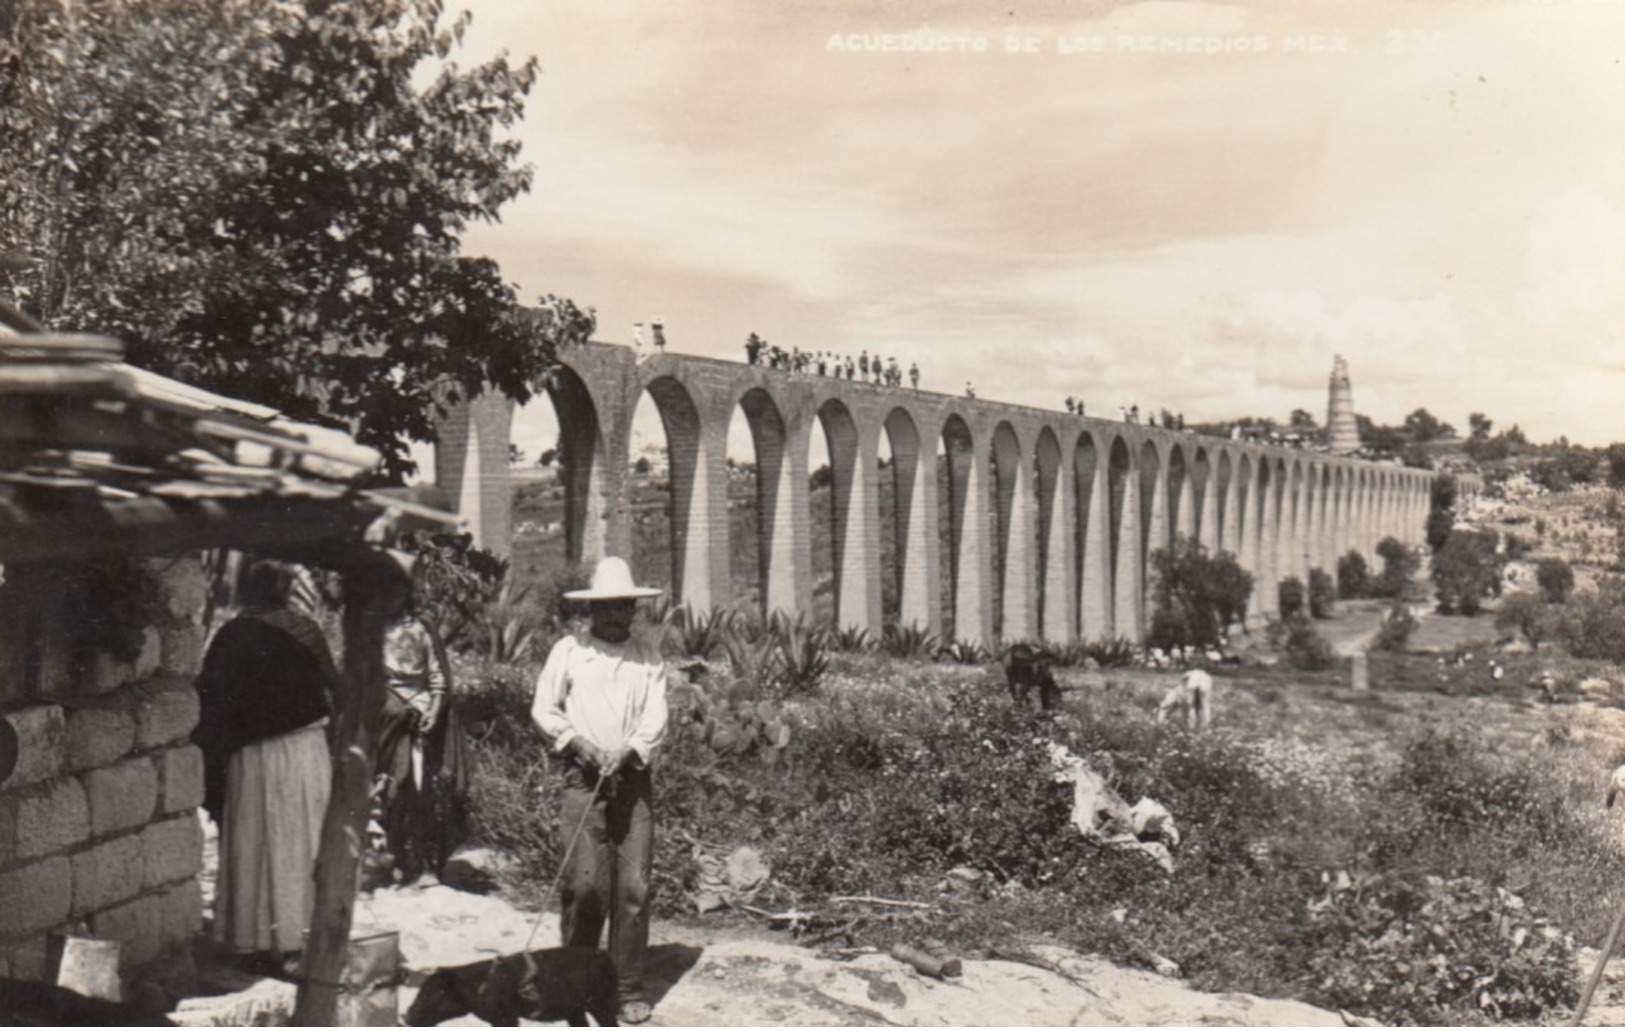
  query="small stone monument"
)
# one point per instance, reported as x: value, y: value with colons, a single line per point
x: 1362, y: 673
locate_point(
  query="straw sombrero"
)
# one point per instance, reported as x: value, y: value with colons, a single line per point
x: 612, y: 579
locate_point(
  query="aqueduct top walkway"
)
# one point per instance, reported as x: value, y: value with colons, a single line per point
x: 1050, y: 517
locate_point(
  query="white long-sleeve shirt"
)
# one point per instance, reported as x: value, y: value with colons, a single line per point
x: 614, y: 695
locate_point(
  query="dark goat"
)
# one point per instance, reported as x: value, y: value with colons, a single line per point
x: 548, y: 984
x: 1026, y: 667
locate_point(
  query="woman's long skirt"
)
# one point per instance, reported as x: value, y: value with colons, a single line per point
x: 276, y: 798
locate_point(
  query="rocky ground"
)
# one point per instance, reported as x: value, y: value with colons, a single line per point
x: 730, y: 976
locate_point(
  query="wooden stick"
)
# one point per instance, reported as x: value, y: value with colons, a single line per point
x: 1602, y: 961
x: 871, y: 900
x: 374, y: 590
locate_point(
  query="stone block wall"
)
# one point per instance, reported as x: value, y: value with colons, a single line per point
x: 99, y: 831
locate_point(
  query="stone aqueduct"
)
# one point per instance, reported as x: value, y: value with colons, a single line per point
x: 1064, y: 511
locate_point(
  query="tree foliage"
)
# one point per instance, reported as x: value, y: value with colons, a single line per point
x: 1466, y: 571
x: 269, y: 200
x: 1556, y: 579
x: 1196, y: 595
x: 1353, y: 575
x: 1399, y: 564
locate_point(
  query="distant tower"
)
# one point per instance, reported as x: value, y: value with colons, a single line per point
x: 1342, y: 434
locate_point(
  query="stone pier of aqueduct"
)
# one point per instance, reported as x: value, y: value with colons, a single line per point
x: 1059, y: 512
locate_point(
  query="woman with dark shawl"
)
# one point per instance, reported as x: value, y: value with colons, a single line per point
x: 266, y: 695
x: 422, y: 770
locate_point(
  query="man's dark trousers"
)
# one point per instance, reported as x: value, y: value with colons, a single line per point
x: 609, y: 868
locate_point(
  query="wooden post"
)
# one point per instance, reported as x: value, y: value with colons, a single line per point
x: 375, y: 589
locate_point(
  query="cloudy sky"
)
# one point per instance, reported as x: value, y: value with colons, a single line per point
x: 1181, y: 205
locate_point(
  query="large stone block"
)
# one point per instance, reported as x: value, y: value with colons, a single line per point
x: 99, y: 733
x: 182, y: 911
x: 121, y: 796
x: 182, y: 651
x: 166, y: 710
x: 42, y: 744
x: 173, y: 849
x: 35, y: 898
x: 50, y: 818
x: 138, y: 924
x: 107, y: 874
x: 183, y: 590
x: 152, y: 651
x: 180, y: 779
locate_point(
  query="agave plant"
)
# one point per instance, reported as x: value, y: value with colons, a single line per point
x: 802, y: 656
x: 851, y: 639
x: 968, y: 653
x: 910, y: 642
x: 511, y: 625
x: 690, y: 635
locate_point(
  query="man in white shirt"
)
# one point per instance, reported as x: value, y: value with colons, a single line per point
x: 601, y: 702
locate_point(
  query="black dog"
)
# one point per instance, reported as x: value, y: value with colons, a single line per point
x: 548, y: 984
x: 1026, y: 667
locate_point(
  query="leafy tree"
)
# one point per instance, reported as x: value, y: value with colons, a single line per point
x: 1301, y: 419
x: 1594, y: 622
x: 1556, y: 579
x: 1422, y: 427
x: 1616, y: 465
x: 1478, y: 426
x: 1353, y: 575
x: 1441, y: 510
x: 1567, y: 467
x: 1466, y: 571
x: 1399, y: 564
x: 1387, y: 440
x: 1195, y: 595
x: 269, y: 200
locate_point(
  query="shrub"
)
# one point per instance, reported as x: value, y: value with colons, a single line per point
x: 967, y: 653
x: 1422, y: 949
x: 910, y: 642
x: 690, y: 634
x: 1322, y: 594
x: 1556, y: 579
x: 1397, y: 627
x: 1195, y: 596
x: 1441, y: 511
x: 1467, y: 571
x: 1305, y: 649
x: 1399, y: 564
x: 1353, y: 576
x: 1289, y: 599
x: 1593, y: 622
x: 851, y: 639
x: 1107, y: 652
x: 1530, y: 615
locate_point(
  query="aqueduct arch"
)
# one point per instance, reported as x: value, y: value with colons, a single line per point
x: 1043, y: 520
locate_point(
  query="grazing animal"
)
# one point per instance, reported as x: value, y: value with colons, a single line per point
x: 549, y: 984
x: 1026, y: 667
x: 1616, y: 784
x: 38, y: 1004
x: 1192, y: 692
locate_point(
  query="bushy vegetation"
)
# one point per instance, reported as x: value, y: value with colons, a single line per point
x: 1467, y: 571
x: 1353, y: 576
x: 1530, y: 615
x: 1195, y: 595
x: 1289, y: 599
x: 1322, y: 594
x: 1299, y: 874
x: 1397, y: 627
x: 1399, y: 564
x: 1556, y: 580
